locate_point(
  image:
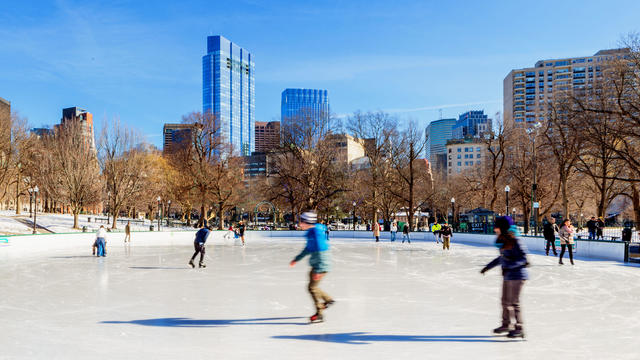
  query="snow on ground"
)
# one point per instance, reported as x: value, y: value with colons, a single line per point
x: 62, y: 223
x: 394, y: 301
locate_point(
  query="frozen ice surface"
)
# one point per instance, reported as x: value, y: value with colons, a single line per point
x: 393, y: 301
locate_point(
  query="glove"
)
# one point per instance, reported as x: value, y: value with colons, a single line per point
x: 484, y: 270
x: 292, y: 263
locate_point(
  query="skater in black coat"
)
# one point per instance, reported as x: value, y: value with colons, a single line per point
x: 549, y: 231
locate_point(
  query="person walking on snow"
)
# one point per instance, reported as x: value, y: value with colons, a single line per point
x: 447, y: 234
x: 513, y: 260
x: 198, y: 244
x: 101, y: 241
x: 549, y: 231
x: 394, y: 230
x: 566, y: 239
x: 317, y: 248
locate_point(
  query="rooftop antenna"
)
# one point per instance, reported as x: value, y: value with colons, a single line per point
x: 440, y: 110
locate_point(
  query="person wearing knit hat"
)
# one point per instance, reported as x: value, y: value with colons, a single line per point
x: 513, y: 260
x: 318, y: 248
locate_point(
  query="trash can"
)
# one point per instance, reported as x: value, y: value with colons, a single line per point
x: 84, y: 229
x: 151, y: 227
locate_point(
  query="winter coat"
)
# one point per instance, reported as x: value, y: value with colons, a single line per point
x: 318, y: 249
x: 566, y: 234
x: 102, y: 233
x: 549, y: 231
x: 513, y: 262
x: 202, y: 235
x: 592, y: 225
x: 446, y: 231
x: 394, y: 227
x: 405, y: 229
x: 436, y: 228
x: 376, y: 230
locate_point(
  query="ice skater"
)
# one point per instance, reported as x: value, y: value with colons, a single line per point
x: 318, y: 249
x: 549, y: 231
x: 127, y: 232
x: 435, y: 229
x: 198, y: 244
x: 241, y: 228
x: 230, y: 233
x: 101, y: 242
x: 566, y: 239
x: 376, y: 231
x: 447, y: 234
x: 513, y: 259
x: 394, y: 230
x: 405, y: 233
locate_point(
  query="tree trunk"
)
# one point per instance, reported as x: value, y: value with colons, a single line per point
x: 565, y: 197
x: 114, y: 217
x: 220, y: 217
x: 75, y: 219
x: 635, y: 198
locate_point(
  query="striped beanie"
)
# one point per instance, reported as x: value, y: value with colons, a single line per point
x: 309, y: 217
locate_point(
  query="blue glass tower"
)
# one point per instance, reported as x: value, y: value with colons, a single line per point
x: 304, y: 105
x: 228, y: 91
x: 472, y: 124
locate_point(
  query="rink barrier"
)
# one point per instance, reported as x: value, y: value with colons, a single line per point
x: 22, y: 245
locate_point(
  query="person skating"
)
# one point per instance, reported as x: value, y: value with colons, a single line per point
x: 376, y: 231
x: 318, y: 248
x: 394, y: 230
x: 199, y: 246
x: 447, y: 234
x: 566, y: 239
x: 513, y: 260
x: 592, y: 227
x: 549, y: 231
x: 435, y: 229
x: 241, y: 228
x: 127, y: 232
x: 101, y: 242
x: 405, y: 233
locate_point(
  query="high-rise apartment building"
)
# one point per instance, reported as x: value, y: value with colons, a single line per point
x: 301, y: 107
x: 85, y: 118
x: 176, y: 136
x: 471, y: 124
x: 228, y: 91
x: 267, y: 135
x: 526, y: 91
x: 438, y: 132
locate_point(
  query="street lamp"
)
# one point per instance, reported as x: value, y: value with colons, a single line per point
x: 168, y: 211
x: 159, y: 199
x: 35, y: 205
x: 506, y: 191
x: 453, y: 213
x: 354, y: 215
x: 30, y: 202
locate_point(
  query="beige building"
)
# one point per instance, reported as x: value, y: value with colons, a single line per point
x: 348, y: 147
x: 526, y: 91
x: 465, y: 155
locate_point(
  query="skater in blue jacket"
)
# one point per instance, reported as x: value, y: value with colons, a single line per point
x: 318, y: 249
x: 513, y: 260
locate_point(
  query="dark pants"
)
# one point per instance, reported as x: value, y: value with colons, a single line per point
x: 564, y: 246
x: 551, y: 242
x: 319, y: 297
x: 199, y: 249
x: 511, y: 290
x: 592, y: 234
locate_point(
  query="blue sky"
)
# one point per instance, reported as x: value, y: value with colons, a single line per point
x: 141, y: 60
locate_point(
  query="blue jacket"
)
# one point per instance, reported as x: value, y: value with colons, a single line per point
x: 317, y: 246
x: 513, y: 262
x: 202, y: 235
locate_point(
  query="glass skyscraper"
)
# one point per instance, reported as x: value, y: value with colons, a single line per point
x: 438, y: 133
x: 472, y: 124
x: 228, y: 91
x: 304, y: 105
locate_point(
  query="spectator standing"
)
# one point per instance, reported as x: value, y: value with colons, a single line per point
x: 600, y: 229
x: 376, y: 231
x: 592, y: 227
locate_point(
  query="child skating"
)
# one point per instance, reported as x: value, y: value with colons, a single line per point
x: 513, y: 260
x: 198, y: 244
x: 101, y: 242
x: 318, y: 249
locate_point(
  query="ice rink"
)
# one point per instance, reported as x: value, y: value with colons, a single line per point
x: 393, y: 301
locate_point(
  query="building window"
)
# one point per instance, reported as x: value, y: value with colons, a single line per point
x: 459, y: 163
x: 459, y: 156
x: 459, y: 149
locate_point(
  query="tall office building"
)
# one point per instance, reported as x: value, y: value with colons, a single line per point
x: 304, y: 105
x: 438, y: 133
x: 471, y: 124
x: 526, y: 91
x: 267, y: 135
x: 5, y: 123
x: 85, y: 118
x: 228, y: 91
x: 176, y: 136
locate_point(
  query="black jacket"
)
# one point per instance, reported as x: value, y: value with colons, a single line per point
x: 592, y: 225
x: 549, y: 231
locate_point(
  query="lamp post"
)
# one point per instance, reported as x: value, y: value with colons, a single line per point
x: 453, y: 213
x: 168, y: 211
x: 159, y: 199
x: 30, y: 202
x: 354, y: 215
x: 35, y: 206
x: 506, y: 192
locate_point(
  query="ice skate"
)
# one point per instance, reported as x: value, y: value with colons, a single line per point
x: 192, y: 264
x: 517, y: 333
x: 501, y: 330
x: 316, y: 318
x: 560, y: 262
x: 202, y: 265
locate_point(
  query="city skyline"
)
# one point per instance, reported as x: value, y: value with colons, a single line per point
x: 143, y: 65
